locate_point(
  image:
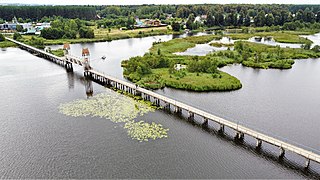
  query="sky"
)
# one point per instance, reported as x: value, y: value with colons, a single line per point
x: 137, y: 2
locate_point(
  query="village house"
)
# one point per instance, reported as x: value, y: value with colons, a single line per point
x: 178, y: 67
x: 28, y: 27
x: 148, y: 23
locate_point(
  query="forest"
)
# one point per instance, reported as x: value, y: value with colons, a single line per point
x: 218, y: 15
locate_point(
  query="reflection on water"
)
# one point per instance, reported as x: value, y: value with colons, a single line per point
x: 87, y: 83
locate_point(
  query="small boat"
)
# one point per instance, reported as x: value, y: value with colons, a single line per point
x: 103, y: 57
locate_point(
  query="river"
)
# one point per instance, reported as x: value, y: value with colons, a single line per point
x: 39, y: 142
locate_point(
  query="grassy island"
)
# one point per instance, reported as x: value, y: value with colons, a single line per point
x: 161, y: 67
x: 264, y: 56
x: 278, y: 36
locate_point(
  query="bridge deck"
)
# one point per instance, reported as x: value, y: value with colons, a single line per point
x: 268, y: 139
x: 239, y: 128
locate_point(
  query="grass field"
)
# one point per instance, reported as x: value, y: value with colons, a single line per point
x: 5, y: 44
x: 199, y: 81
x: 279, y: 36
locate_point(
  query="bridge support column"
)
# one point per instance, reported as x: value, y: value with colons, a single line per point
x: 259, y: 143
x: 190, y: 116
x: 69, y: 67
x: 307, y: 164
x: 177, y: 110
x: 239, y: 136
x: 156, y: 102
x: 167, y: 106
x: 205, y: 123
x: 138, y: 93
x: 282, y: 152
x: 221, y: 129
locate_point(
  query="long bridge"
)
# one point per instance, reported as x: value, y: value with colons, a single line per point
x: 178, y: 107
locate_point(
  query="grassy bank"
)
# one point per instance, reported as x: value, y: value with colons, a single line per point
x: 57, y: 52
x: 218, y: 44
x: 5, y: 44
x: 181, y: 44
x: 199, y: 81
x: 278, y: 36
x: 264, y: 56
x: 103, y: 35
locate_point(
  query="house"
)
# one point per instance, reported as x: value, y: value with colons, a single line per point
x: 151, y: 22
x: 9, y: 26
x: 178, y: 67
x: 204, y: 16
x: 148, y: 23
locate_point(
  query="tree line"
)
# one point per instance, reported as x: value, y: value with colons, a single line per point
x: 68, y: 29
x: 35, y: 13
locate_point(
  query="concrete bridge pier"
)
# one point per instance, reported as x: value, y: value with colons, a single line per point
x: 221, y: 129
x: 205, y: 123
x: 138, y: 93
x: 307, y: 164
x: 239, y: 136
x: 259, y: 144
x: 177, y: 110
x: 167, y: 106
x: 282, y: 153
x: 190, y: 116
x: 85, y: 73
x: 156, y: 102
x: 69, y: 67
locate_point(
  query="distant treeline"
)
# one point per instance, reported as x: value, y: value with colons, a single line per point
x: 38, y: 12
x: 218, y: 15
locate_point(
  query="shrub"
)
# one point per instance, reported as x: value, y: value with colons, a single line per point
x: 17, y: 36
x: 2, y: 38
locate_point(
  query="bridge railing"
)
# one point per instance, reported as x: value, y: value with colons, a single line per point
x: 250, y: 127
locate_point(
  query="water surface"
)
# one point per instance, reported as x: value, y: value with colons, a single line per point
x: 39, y: 142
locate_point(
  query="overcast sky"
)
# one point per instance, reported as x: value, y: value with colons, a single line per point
x: 130, y: 2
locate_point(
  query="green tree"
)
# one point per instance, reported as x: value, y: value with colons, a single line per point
x: 259, y: 20
x: 210, y: 20
x: 269, y: 20
x: 307, y: 45
x: 247, y: 20
x: 52, y: 33
x: 318, y: 16
x: 2, y: 38
x: 190, y: 22
x: 316, y: 48
x: 130, y: 23
x: 19, y: 28
x: 176, y: 26
x: 86, y: 32
x: 17, y: 36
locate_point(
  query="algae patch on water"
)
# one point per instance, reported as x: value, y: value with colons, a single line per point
x: 117, y: 108
x: 143, y: 131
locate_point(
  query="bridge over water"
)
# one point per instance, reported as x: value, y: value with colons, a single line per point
x: 178, y: 107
